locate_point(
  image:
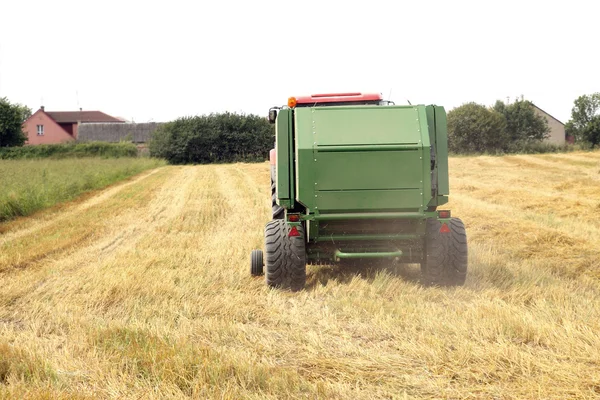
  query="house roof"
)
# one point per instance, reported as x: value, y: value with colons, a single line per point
x: 556, y: 119
x: 81, y: 116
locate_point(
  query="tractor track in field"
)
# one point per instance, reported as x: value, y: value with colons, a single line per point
x: 56, y: 218
x: 118, y: 231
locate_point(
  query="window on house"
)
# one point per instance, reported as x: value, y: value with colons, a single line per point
x: 40, y: 130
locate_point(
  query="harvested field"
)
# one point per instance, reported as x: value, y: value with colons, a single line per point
x: 144, y: 291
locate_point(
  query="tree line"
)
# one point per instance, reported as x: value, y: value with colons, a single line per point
x: 227, y: 137
x: 503, y: 128
x: 515, y: 127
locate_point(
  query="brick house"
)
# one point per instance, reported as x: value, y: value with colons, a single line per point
x: 49, y: 127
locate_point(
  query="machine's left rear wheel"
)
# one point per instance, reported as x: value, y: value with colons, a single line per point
x: 285, y: 256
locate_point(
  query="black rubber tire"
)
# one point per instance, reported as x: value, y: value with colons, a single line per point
x: 256, y: 263
x: 285, y: 257
x: 277, y: 211
x: 446, y: 254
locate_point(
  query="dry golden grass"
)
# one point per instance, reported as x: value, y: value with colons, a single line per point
x: 143, y: 291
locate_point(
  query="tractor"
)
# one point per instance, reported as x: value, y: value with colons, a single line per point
x: 354, y: 177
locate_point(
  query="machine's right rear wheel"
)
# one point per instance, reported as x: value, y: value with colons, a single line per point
x: 285, y: 256
x: 446, y: 260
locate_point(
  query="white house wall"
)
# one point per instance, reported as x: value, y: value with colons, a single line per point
x: 557, y: 129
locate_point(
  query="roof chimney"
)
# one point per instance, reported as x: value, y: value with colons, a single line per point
x: 42, y: 108
x: 80, y: 109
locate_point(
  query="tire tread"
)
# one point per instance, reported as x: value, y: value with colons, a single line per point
x: 446, y: 254
x: 285, y: 257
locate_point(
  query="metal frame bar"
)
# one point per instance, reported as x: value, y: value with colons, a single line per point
x: 385, y: 254
x: 373, y: 215
x: 392, y: 236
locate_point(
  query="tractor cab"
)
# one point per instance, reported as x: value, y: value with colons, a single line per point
x: 331, y: 99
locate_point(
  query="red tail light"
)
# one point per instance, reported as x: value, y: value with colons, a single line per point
x: 294, y: 232
x: 445, y: 228
x: 444, y: 214
x: 293, y: 217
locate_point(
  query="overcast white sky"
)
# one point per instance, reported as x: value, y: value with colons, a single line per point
x: 156, y: 61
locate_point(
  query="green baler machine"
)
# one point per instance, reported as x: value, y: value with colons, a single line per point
x: 356, y: 177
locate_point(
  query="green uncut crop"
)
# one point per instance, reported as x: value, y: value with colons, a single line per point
x: 70, y: 150
x: 27, y: 186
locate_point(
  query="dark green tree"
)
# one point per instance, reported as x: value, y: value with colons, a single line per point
x: 12, y: 117
x: 522, y: 123
x: 213, y: 138
x: 584, y: 119
x: 474, y: 128
x: 591, y: 132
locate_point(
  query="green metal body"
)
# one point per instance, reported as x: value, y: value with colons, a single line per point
x: 363, y: 178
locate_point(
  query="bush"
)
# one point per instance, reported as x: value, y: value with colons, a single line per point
x: 12, y: 117
x: 474, y: 128
x: 70, y: 150
x: 523, y: 125
x: 214, y: 138
x: 539, y: 147
x: 514, y: 128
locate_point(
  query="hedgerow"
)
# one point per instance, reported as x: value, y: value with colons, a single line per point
x: 214, y: 138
